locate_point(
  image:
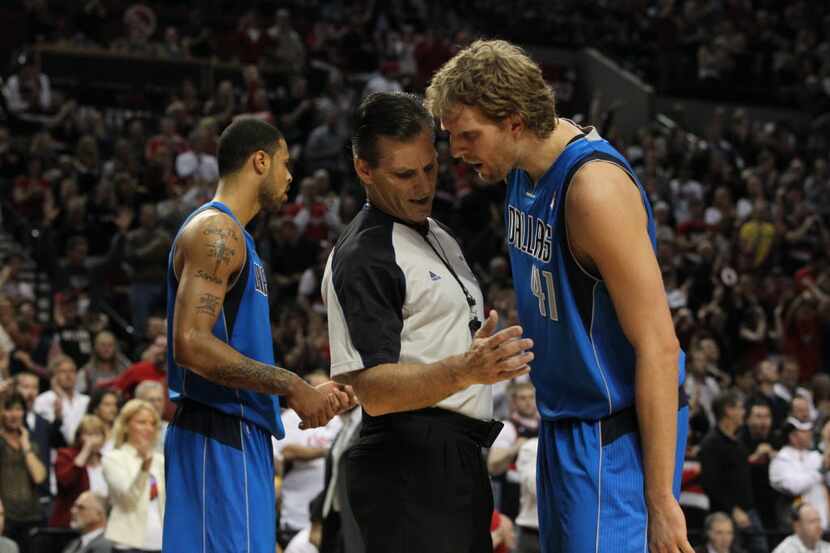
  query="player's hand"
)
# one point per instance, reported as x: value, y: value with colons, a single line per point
x: 496, y: 357
x: 317, y: 406
x: 667, y: 528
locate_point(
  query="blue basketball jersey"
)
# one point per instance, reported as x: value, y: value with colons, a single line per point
x: 245, y: 324
x: 584, y: 365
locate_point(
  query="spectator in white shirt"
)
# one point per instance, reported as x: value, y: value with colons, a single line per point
x: 28, y: 90
x: 528, y: 519
x: 197, y: 163
x: 807, y: 533
x: 62, y: 402
x: 699, y: 384
x: 799, y: 470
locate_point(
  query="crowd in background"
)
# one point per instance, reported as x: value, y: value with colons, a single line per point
x: 94, y: 202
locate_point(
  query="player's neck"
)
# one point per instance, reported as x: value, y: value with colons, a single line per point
x: 539, y: 154
x: 237, y: 199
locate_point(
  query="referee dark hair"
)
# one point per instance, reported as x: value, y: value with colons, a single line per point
x: 405, y: 312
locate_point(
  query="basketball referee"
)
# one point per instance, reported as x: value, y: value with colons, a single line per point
x: 405, y: 314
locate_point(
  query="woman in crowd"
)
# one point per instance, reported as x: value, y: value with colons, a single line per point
x: 104, y: 405
x: 20, y: 473
x: 135, y: 475
x: 78, y: 469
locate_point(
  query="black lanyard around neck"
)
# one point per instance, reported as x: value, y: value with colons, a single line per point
x: 475, y: 323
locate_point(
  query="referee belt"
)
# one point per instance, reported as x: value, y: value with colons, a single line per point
x: 483, y: 433
x: 625, y: 420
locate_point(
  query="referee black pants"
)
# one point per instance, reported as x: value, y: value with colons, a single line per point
x: 417, y: 483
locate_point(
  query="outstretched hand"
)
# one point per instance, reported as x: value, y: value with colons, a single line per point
x: 496, y: 357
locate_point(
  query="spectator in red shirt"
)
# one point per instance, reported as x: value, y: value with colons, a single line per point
x: 153, y: 366
x: 78, y: 469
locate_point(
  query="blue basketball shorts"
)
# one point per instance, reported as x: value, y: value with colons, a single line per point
x: 590, y: 485
x: 219, y: 473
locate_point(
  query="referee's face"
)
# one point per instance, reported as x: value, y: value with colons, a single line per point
x: 403, y: 182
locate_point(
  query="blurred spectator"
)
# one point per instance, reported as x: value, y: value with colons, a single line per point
x: 502, y: 533
x: 527, y: 521
x: 106, y: 362
x: 103, y: 403
x: 324, y: 149
x: 291, y: 254
x: 62, y: 402
x: 21, y: 472
x: 310, y: 212
x: 6, y: 545
x: 71, y: 336
x: 286, y: 53
x: 522, y: 425
x: 720, y: 535
x: 153, y: 367
x: 699, y: 384
x: 725, y: 472
x: 89, y: 517
x: 766, y: 375
x: 146, y: 253
x: 28, y: 90
x: 382, y: 80
x: 198, y: 163
x: 134, y: 473
x: 11, y: 286
x: 154, y: 393
x: 309, y: 540
x: 799, y: 471
x: 302, y: 454
x: 44, y: 434
x: 156, y: 326
x: 788, y: 387
x: 807, y: 532
x: 758, y: 438
x: 78, y: 469
x: 30, y: 190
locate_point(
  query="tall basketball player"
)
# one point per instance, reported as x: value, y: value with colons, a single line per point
x: 608, y: 370
x: 219, y: 463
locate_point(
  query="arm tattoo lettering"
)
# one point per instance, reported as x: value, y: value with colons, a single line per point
x: 253, y: 375
x: 208, y: 304
x: 213, y: 230
x: 210, y: 278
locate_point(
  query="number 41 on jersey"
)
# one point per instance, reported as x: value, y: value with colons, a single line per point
x: 547, y: 302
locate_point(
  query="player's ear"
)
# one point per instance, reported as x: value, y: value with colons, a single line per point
x: 261, y: 162
x: 515, y: 124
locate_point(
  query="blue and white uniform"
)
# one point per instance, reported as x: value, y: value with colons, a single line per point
x: 590, y: 464
x: 218, y: 456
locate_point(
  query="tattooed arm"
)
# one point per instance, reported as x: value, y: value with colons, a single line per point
x: 209, y: 253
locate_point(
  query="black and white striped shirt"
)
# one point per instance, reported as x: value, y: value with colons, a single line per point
x: 391, y: 299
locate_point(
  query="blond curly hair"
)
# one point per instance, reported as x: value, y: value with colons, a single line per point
x: 500, y: 79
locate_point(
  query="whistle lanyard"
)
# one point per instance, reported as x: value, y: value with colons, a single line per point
x: 475, y: 323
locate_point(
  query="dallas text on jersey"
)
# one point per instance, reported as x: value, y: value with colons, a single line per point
x: 529, y: 234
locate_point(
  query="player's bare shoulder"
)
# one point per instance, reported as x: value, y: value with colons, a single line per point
x: 212, y: 245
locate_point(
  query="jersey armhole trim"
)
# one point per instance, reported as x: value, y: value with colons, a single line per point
x: 582, y: 268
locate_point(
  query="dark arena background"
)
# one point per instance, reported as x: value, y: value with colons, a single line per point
x: 110, y: 115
